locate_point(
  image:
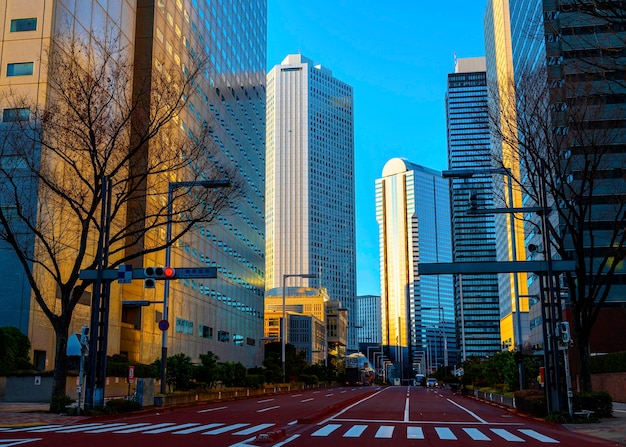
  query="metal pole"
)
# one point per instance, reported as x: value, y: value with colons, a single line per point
x: 462, y: 317
x: 282, y: 333
x: 166, y: 286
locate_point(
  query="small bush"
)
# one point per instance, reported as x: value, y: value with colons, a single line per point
x: 309, y: 379
x: 532, y: 402
x: 121, y: 406
x: 254, y: 381
x: 59, y: 402
x: 599, y: 402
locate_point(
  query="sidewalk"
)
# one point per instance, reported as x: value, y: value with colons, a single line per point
x: 613, y: 429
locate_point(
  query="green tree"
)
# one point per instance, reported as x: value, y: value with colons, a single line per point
x: 232, y: 374
x: 180, y: 371
x: 208, y: 370
x: 14, y: 350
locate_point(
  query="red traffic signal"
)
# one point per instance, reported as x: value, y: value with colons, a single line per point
x: 151, y: 274
x: 169, y: 272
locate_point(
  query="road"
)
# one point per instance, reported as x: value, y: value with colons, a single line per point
x: 407, y: 416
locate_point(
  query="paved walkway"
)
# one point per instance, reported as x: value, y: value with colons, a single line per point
x: 23, y: 414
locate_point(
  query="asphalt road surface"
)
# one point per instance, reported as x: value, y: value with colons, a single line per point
x: 368, y: 416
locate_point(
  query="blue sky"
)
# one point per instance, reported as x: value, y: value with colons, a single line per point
x: 396, y: 55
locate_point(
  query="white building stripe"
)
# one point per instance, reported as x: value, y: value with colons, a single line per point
x: 327, y: 430
x: 249, y: 431
x: 172, y: 428
x: 538, y: 436
x: 506, y: 435
x: 196, y: 429
x: 414, y: 433
x: 219, y: 431
x: 445, y: 434
x: 476, y: 434
x: 384, y: 431
x: 149, y: 427
x: 355, y: 431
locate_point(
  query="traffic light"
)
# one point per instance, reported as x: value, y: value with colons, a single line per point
x: 84, y: 335
x: 563, y: 332
x: 154, y: 273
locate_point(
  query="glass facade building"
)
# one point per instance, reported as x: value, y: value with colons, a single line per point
x: 222, y: 315
x: 310, y: 204
x: 413, y: 214
x: 477, y: 300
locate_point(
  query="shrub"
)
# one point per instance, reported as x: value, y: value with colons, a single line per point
x: 254, y: 380
x: 121, y: 406
x: 599, y: 402
x: 309, y: 379
x: 532, y: 402
x: 59, y: 402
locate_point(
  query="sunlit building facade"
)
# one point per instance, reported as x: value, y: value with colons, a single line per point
x: 222, y: 315
x: 413, y: 215
x: 310, y: 204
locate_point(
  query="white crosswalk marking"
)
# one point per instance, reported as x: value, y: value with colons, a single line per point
x: 196, y: 429
x: 219, y: 431
x: 172, y: 428
x: 62, y: 428
x: 14, y: 430
x: 506, y: 435
x: 538, y: 436
x: 114, y: 427
x: 476, y: 434
x: 355, y: 431
x: 326, y: 430
x: 414, y: 433
x: 75, y: 429
x: 149, y: 427
x: 256, y: 428
x: 445, y: 434
x: 385, y: 431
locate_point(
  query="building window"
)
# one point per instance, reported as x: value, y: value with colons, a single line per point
x: 18, y: 25
x: 18, y: 114
x: 20, y: 69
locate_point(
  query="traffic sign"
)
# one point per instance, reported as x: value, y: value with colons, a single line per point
x: 125, y: 274
x: 164, y: 325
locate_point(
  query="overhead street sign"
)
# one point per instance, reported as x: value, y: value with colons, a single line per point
x: 181, y: 272
x: 480, y: 268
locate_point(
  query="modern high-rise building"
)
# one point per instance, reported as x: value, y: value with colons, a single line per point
x: 477, y: 300
x: 368, y: 319
x: 413, y: 214
x: 310, y: 204
x: 223, y: 315
x: 513, y: 288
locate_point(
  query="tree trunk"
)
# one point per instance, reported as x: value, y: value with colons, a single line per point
x: 59, y: 379
x: 584, y: 370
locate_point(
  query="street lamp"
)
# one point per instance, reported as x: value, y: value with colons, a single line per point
x: 171, y: 187
x: 282, y: 326
x: 469, y: 173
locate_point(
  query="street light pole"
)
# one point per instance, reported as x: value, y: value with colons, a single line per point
x: 171, y: 187
x: 283, y: 325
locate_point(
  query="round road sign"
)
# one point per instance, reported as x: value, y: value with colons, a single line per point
x: 164, y: 325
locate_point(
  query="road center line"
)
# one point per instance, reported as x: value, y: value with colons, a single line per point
x: 212, y: 409
x: 307, y: 400
x: 478, y: 418
x: 264, y: 400
x: 268, y: 409
x: 406, y: 410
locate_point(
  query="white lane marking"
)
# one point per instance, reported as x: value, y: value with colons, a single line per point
x: 478, y: 418
x: 14, y: 430
x: 476, y: 434
x: 63, y: 428
x: 296, y: 395
x: 117, y: 427
x: 538, y: 436
x: 344, y: 391
x: 264, y: 400
x: 414, y: 433
x: 330, y: 394
x: 263, y: 410
x: 291, y: 438
x: 149, y: 427
x: 293, y: 422
x: 355, y: 431
x: 326, y: 430
x: 506, y: 435
x: 307, y: 400
x: 406, y: 410
x: 384, y: 431
x: 166, y: 429
x: 244, y: 443
x: 256, y: 428
x: 316, y: 392
x: 219, y: 431
x: 86, y: 428
x: 445, y: 434
x: 196, y: 429
x: 10, y: 442
x: 212, y: 409
x: 349, y: 407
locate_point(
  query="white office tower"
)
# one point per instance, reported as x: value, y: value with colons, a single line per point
x: 310, y: 181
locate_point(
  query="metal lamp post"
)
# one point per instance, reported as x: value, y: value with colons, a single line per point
x: 173, y: 186
x: 282, y: 325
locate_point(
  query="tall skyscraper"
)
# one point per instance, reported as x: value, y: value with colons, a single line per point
x: 223, y: 315
x: 513, y: 288
x: 310, y: 181
x: 477, y: 309
x: 368, y: 319
x: 413, y: 214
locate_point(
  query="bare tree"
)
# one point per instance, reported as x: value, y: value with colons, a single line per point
x: 101, y: 118
x: 569, y: 138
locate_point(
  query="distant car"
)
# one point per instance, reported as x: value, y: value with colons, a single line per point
x: 431, y: 382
